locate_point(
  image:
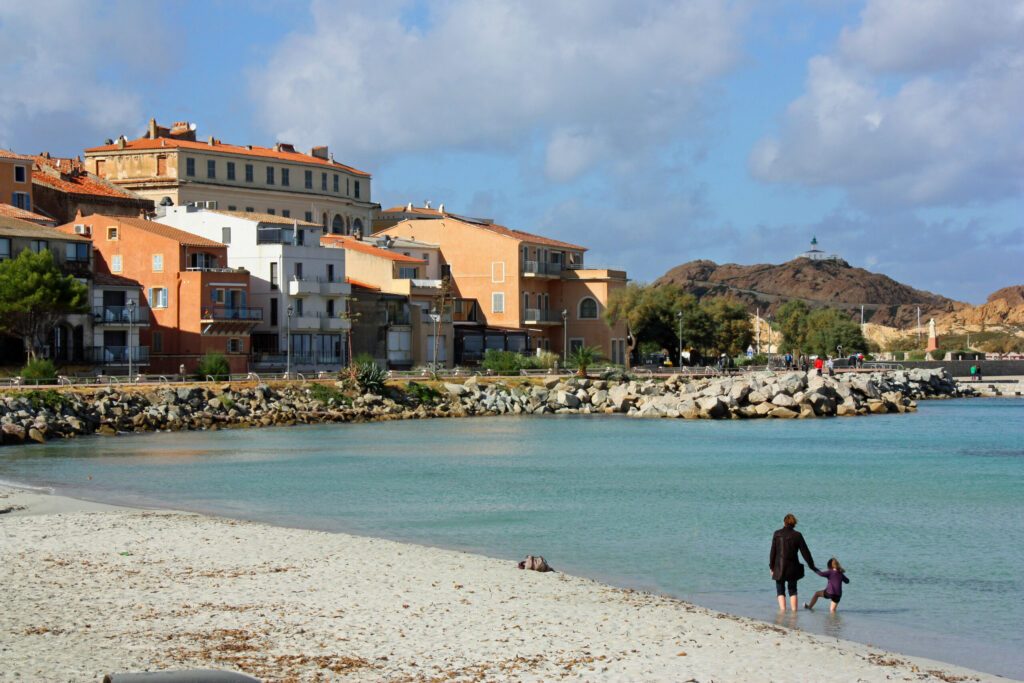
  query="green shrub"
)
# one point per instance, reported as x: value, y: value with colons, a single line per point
x: 504, y: 362
x: 545, y: 361
x: 423, y: 393
x: 46, y: 398
x: 583, y: 357
x: 362, y: 358
x: 326, y: 393
x: 915, y: 355
x: 214, y: 365
x: 370, y: 378
x: 39, y: 369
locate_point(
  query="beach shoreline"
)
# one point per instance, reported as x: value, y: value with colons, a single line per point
x: 96, y: 588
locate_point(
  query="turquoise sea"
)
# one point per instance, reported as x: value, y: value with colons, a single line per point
x: 926, y: 510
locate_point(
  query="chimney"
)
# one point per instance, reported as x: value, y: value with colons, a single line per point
x: 440, y: 208
x: 408, y: 207
x: 284, y: 147
x: 426, y: 203
x: 210, y: 141
x: 151, y: 132
x: 320, y: 152
x: 120, y: 142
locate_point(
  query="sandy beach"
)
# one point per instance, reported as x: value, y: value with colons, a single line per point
x: 90, y: 589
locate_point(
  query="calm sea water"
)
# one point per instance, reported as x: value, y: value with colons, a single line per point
x: 926, y: 511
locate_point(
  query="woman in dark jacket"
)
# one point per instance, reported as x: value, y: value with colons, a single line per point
x: 784, y: 564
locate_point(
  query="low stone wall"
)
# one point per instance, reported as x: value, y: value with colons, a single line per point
x: 43, y: 415
x: 962, y: 368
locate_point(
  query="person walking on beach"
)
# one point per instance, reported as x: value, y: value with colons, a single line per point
x: 818, y: 365
x: 836, y: 576
x: 783, y: 562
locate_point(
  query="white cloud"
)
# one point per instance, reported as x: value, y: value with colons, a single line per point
x: 54, y: 51
x: 951, y: 132
x: 589, y: 80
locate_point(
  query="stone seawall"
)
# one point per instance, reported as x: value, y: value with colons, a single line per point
x: 39, y: 416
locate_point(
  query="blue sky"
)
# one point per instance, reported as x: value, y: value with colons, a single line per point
x: 653, y: 132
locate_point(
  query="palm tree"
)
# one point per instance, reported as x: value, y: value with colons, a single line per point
x: 583, y: 357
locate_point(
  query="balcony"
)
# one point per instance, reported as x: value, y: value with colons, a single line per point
x: 309, y: 321
x: 219, y: 313
x: 335, y: 288
x: 334, y: 324
x: 541, y: 269
x: 120, y: 316
x: 118, y: 355
x: 303, y: 286
x: 541, y: 316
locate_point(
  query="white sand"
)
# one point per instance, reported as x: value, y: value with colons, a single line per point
x: 89, y: 589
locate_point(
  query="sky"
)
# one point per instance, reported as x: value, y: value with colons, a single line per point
x: 654, y: 133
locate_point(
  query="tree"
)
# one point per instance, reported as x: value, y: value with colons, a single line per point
x: 651, y: 312
x: 827, y: 329
x: 732, y: 332
x: 34, y: 296
x: 792, y: 321
x: 583, y: 357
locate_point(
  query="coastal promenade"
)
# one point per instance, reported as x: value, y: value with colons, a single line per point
x: 91, y: 589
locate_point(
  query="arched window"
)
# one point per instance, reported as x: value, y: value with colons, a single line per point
x: 588, y: 309
x: 338, y: 224
x: 357, y: 225
x: 324, y: 222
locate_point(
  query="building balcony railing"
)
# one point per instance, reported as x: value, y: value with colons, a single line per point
x: 278, y: 360
x: 226, y: 313
x: 303, y: 286
x: 120, y: 315
x: 212, y: 269
x: 317, y: 285
x: 118, y: 355
x: 536, y: 316
x: 542, y: 268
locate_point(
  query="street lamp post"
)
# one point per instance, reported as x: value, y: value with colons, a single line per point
x: 435, y: 317
x: 679, y: 319
x: 565, y: 338
x: 131, y: 327
x: 288, y: 344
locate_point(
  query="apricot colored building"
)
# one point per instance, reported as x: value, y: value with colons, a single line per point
x: 198, y: 305
x: 521, y: 283
x: 16, y: 181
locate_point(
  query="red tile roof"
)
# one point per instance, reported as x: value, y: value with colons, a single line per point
x: 416, y: 209
x: 14, y: 227
x: 346, y: 242
x: 183, y: 238
x: 146, y: 143
x: 509, y: 232
x: 111, y: 280
x: 14, y: 212
x: 7, y: 154
x: 363, y: 285
x: 68, y: 175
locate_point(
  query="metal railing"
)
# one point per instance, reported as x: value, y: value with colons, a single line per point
x: 120, y: 315
x: 541, y: 315
x: 118, y: 355
x: 225, y: 313
x: 542, y: 268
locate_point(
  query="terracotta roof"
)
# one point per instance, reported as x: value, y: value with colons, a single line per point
x: 346, y: 242
x: 68, y: 175
x: 21, y: 214
x: 110, y: 280
x: 262, y: 152
x: 416, y: 209
x: 266, y: 218
x: 514, y: 234
x: 363, y: 285
x: 7, y: 154
x: 14, y: 227
x: 186, y: 239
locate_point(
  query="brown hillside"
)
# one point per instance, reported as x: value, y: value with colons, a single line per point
x: 818, y: 283
x: 1004, y: 308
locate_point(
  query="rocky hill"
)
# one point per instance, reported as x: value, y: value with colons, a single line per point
x: 1004, y: 308
x: 833, y: 283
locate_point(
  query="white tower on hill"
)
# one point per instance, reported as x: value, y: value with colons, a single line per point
x: 816, y: 254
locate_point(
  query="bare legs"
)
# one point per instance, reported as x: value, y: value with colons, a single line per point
x: 793, y: 602
x: 820, y: 594
x: 782, y: 603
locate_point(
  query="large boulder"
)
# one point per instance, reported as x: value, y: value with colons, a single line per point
x: 713, y: 407
x: 783, y: 400
x: 457, y: 390
x: 784, y: 413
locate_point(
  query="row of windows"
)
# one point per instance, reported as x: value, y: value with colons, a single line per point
x: 77, y: 252
x: 352, y: 187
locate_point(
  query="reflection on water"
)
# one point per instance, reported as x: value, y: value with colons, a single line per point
x: 834, y: 624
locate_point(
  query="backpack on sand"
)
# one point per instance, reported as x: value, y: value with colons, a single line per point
x: 535, y: 563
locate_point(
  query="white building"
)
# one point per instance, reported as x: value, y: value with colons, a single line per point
x: 299, y: 284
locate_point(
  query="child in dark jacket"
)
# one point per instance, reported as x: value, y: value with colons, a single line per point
x: 836, y: 576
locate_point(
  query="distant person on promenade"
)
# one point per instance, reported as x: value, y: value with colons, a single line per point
x: 978, y: 376
x: 785, y: 565
x: 974, y: 373
x: 831, y: 365
x: 836, y: 576
x: 818, y: 365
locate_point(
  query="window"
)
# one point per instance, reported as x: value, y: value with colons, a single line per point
x: 587, y: 309
x: 338, y: 224
x: 115, y: 263
x: 22, y: 200
x: 38, y: 245
x: 330, y: 308
x: 575, y: 344
x: 300, y: 237
x: 497, y: 271
x: 158, y: 263
x: 273, y: 309
x: 407, y: 272
x: 498, y: 302
x: 158, y: 297
x: 286, y: 213
x: 158, y: 342
x: 347, y: 190
x: 330, y: 272
x: 248, y: 173
x: 211, y: 168
x: 309, y: 180
x: 309, y: 216
x: 232, y: 207
x: 299, y: 307
x: 225, y: 235
x: 270, y: 175
x: 526, y: 300
x: 19, y: 174
x: 286, y: 177
x: 231, y: 170
x: 111, y: 233
x: 426, y: 258
x: 357, y: 189
x: 249, y: 209
x: 5, y: 248
x: 271, y: 211
x: 217, y: 295
x: 336, y: 179
x: 234, y: 345
x: 323, y: 182
x: 190, y: 167
x: 273, y: 274
x: 298, y: 270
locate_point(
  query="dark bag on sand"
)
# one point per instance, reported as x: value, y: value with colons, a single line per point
x: 535, y: 563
